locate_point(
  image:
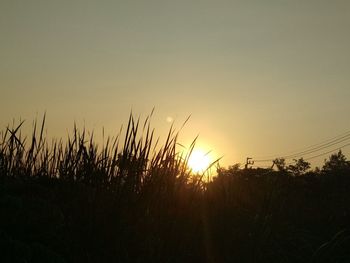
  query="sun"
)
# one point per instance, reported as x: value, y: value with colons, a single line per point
x: 199, y: 161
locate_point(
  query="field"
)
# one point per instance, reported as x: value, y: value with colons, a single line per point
x: 135, y: 201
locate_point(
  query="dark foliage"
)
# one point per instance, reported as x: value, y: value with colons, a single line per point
x: 75, y: 203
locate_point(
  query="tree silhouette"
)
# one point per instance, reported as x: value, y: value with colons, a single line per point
x: 280, y: 164
x: 299, y: 167
x: 336, y: 162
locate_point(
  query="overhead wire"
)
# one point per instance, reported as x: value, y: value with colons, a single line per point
x: 315, y: 148
x: 347, y: 133
x: 331, y: 151
x: 324, y: 153
x: 321, y: 147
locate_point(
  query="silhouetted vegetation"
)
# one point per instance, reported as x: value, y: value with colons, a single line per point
x: 133, y: 201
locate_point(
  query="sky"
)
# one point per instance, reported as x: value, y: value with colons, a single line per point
x: 259, y: 78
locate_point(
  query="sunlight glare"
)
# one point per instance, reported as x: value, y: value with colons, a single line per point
x: 199, y: 161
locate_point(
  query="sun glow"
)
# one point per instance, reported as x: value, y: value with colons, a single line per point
x: 199, y: 161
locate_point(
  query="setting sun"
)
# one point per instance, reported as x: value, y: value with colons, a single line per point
x: 199, y: 161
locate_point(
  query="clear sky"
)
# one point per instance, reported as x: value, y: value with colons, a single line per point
x: 258, y: 77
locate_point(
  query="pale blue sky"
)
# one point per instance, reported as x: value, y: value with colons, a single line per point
x: 258, y: 77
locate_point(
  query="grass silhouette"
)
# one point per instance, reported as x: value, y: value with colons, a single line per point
x: 136, y: 201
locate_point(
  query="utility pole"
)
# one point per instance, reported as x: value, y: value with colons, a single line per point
x: 273, y: 164
x: 248, y: 162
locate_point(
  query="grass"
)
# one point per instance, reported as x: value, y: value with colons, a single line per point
x: 133, y: 200
x: 81, y: 160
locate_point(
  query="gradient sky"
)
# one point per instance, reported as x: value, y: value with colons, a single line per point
x: 258, y: 77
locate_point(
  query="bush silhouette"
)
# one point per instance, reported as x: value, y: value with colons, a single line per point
x: 134, y: 202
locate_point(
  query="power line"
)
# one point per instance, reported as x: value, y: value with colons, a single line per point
x: 339, y: 148
x: 324, y: 153
x: 321, y: 154
x: 312, y: 149
x: 347, y: 133
x: 321, y: 147
x: 330, y: 139
x: 310, y: 158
